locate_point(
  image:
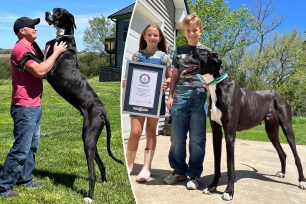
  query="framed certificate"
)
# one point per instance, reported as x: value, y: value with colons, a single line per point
x: 143, y: 92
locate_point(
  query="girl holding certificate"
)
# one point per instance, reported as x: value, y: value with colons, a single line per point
x: 152, y: 49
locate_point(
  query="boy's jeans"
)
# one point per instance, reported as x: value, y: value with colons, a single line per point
x: 20, y: 161
x: 188, y: 115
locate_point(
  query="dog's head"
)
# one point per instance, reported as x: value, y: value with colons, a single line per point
x: 201, y: 61
x: 62, y: 20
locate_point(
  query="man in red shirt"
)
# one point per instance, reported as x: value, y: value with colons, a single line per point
x: 25, y: 108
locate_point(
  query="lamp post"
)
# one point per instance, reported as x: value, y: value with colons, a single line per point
x: 110, y: 47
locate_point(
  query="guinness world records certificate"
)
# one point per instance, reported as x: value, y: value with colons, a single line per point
x: 143, y: 93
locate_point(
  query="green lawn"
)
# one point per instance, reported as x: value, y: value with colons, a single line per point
x: 61, y: 162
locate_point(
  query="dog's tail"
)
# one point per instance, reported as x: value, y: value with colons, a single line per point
x: 109, y: 135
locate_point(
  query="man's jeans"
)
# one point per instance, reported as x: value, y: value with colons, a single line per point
x: 188, y: 115
x: 20, y: 161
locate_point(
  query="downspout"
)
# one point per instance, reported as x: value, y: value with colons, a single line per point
x: 187, y: 7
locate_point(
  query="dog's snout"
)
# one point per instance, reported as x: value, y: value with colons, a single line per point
x: 49, y: 17
x: 47, y: 14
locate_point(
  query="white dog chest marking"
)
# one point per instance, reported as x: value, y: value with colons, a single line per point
x: 216, y: 114
x: 60, y: 31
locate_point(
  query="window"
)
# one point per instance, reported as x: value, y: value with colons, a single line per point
x: 125, y: 29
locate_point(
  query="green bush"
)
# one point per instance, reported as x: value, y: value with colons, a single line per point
x: 89, y: 64
x: 5, y: 68
x: 5, y: 51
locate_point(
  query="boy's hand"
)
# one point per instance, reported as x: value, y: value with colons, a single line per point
x: 169, y: 102
x: 206, y: 87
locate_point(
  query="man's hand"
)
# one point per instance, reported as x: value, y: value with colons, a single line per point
x: 59, y: 48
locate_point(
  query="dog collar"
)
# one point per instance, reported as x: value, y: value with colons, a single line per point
x: 58, y: 36
x: 219, y: 79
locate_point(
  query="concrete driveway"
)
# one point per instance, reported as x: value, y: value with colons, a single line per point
x: 256, y: 164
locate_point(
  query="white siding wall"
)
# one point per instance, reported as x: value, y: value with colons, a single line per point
x: 162, y: 12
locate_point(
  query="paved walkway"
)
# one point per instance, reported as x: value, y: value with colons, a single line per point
x: 256, y: 165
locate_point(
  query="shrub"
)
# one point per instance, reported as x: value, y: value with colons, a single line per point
x: 5, y: 68
x: 89, y: 63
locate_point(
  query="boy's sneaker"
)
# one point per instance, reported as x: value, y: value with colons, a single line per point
x: 192, y: 184
x: 9, y: 194
x: 174, y: 178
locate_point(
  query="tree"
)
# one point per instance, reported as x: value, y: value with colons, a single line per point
x: 94, y: 36
x: 265, y: 21
x: 287, y: 69
x: 224, y: 30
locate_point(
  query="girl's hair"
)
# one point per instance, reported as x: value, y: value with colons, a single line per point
x: 192, y: 18
x: 161, y: 45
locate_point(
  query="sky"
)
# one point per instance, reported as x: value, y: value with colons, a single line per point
x: 82, y: 10
x: 292, y: 12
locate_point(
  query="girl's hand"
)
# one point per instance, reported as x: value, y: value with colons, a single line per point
x: 166, y: 84
x: 123, y: 83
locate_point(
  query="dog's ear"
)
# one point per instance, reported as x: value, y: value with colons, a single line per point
x: 200, y: 54
x: 195, y: 53
x: 215, y: 57
x: 71, y: 17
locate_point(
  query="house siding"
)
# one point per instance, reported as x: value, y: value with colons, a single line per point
x: 120, y: 45
x: 166, y: 9
x: 163, y: 13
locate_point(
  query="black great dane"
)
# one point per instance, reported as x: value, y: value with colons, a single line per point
x: 234, y: 109
x: 67, y: 80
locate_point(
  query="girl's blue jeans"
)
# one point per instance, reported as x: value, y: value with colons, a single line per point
x: 20, y: 161
x: 188, y: 115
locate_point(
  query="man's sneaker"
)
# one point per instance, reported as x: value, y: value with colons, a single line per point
x: 9, y: 194
x: 174, y: 178
x: 192, y: 184
x: 34, y: 184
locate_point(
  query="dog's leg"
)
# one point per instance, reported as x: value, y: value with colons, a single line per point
x: 272, y: 129
x: 101, y: 166
x: 217, y: 145
x: 288, y: 132
x: 284, y: 114
x: 91, y: 130
x: 90, y: 153
x: 27, y: 56
x: 230, y: 135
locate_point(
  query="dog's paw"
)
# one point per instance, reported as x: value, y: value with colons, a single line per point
x: 87, y: 200
x: 302, y: 185
x: 280, y: 174
x: 227, y: 197
x: 207, y: 192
